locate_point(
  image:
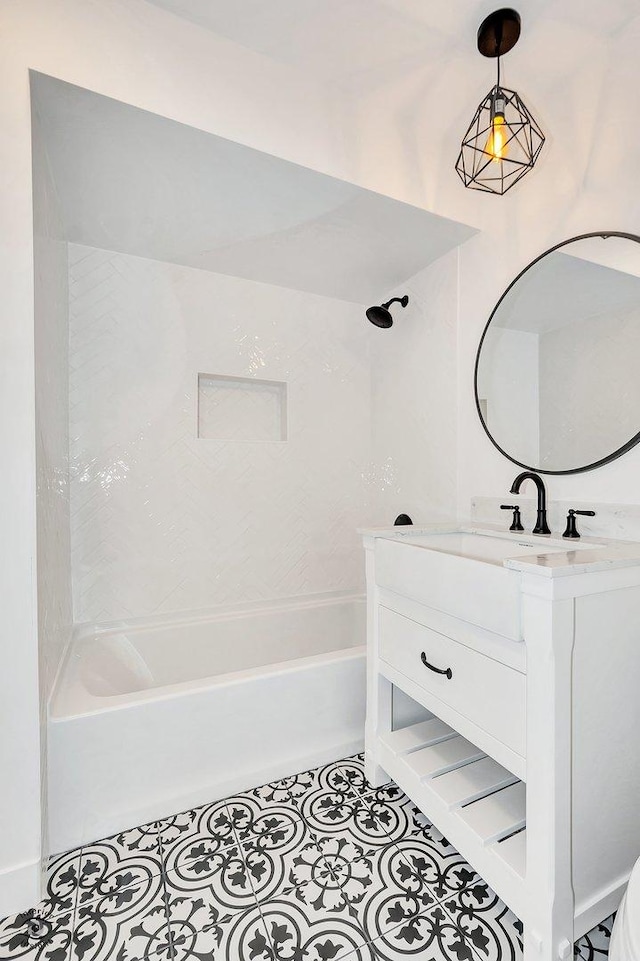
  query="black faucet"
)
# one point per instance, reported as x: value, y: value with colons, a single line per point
x: 541, y: 523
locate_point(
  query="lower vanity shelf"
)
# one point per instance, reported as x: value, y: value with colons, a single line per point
x: 477, y: 804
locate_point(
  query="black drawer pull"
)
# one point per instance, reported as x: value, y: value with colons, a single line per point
x: 436, y: 670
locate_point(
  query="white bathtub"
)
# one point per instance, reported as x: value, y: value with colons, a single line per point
x: 152, y: 718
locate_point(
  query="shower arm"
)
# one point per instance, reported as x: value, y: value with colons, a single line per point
x: 396, y: 300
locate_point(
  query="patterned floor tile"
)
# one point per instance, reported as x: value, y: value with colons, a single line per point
x: 193, y: 835
x: 326, y: 787
x: 219, y: 879
x: 594, y: 946
x: 108, y: 867
x: 312, y: 923
x: 123, y: 860
x: 125, y: 923
x: 282, y: 792
x: 366, y: 952
x: 432, y: 936
x: 353, y: 821
x: 420, y: 826
x: 211, y: 820
x: 55, y: 945
x: 394, y: 811
x: 382, y: 892
x: 251, y: 818
x: 319, y: 866
x: 349, y: 774
x: 342, y: 853
x: 133, y: 842
x: 400, y: 807
x: 493, y: 931
x: 283, y: 860
x: 438, y: 865
x: 214, y: 935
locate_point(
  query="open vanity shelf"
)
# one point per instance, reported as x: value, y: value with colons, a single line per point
x: 525, y: 653
x: 475, y: 801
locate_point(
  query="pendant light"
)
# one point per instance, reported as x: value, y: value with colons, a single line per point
x: 503, y: 141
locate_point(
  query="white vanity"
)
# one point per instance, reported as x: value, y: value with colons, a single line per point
x: 526, y: 651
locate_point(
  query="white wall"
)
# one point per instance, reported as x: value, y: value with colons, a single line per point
x: 51, y: 308
x: 19, y: 696
x: 586, y: 181
x: 51, y: 332
x: 164, y: 520
x: 414, y: 393
x: 582, y: 92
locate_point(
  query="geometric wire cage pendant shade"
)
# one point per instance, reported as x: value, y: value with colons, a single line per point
x: 483, y: 167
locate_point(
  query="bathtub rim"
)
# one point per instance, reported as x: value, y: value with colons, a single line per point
x: 89, y: 630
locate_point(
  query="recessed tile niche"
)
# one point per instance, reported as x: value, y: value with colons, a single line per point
x: 241, y: 408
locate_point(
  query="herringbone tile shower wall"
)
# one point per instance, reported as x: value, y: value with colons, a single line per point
x: 164, y: 521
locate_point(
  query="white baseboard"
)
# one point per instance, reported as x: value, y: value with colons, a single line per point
x: 19, y: 888
x: 599, y: 907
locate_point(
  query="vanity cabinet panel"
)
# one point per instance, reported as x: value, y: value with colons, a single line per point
x: 480, y: 688
x: 606, y: 751
x: 455, y: 585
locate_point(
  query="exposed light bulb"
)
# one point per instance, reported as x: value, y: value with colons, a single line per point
x: 497, y: 141
x: 496, y: 145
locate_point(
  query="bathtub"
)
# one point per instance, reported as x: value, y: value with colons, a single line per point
x: 150, y: 718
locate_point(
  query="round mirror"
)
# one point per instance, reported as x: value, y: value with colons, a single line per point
x: 558, y: 367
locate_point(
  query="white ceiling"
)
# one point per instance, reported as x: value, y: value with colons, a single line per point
x: 137, y: 183
x: 358, y: 43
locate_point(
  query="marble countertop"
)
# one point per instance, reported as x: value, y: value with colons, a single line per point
x: 557, y: 557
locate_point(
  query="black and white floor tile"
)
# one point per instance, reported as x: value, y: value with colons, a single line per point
x: 315, y: 867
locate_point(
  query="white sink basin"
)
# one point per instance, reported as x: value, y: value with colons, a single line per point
x: 488, y: 547
x: 475, y: 574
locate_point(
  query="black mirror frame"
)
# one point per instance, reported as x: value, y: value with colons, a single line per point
x: 605, y: 234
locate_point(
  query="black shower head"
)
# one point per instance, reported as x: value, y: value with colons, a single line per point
x: 381, y: 316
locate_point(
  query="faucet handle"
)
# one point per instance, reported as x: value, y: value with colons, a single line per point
x: 571, y: 531
x: 516, y: 524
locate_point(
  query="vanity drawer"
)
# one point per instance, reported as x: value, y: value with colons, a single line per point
x: 480, y: 688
